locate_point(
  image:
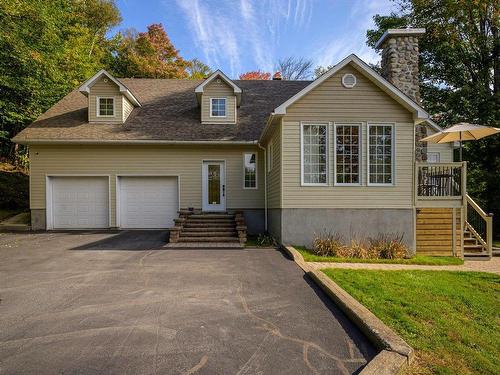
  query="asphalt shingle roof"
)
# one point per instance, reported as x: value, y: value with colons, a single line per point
x: 169, y: 111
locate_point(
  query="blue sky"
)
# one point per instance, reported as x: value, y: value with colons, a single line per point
x: 242, y: 35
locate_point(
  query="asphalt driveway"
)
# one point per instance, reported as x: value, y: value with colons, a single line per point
x: 118, y: 303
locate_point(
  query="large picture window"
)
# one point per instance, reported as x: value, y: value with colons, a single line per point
x: 250, y: 170
x: 347, y: 154
x: 218, y: 107
x: 314, y: 154
x: 380, y: 154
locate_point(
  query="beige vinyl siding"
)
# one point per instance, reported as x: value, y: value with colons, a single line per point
x: 218, y: 90
x: 127, y: 108
x: 274, y: 175
x: 105, y: 89
x: 445, y: 149
x: 183, y: 161
x: 332, y: 103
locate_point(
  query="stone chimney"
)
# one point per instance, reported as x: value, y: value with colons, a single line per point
x: 400, y: 67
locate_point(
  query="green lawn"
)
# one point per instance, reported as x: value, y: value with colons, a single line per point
x: 496, y: 243
x: 419, y: 259
x: 451, y: 319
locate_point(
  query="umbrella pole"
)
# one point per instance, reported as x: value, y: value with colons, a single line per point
x: 460, y: 146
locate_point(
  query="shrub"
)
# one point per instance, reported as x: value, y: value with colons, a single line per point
x: 266, y: 240
x: 383, y: 246
x: 328, y: 244
x: 389, y: 246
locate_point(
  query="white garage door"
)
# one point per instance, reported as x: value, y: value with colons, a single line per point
x: 79, y: 202
x: 148, y: 202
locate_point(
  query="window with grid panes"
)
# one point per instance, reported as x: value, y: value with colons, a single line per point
x: 380, y: 154
x: 314, y: 153
x: 106, y: 106
x: 347, y: 154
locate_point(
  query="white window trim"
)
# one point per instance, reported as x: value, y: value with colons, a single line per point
x: 98, y: 107
x: 256, y: 170
x: 360, y: 153
x: 270, y: 155
x: 225, y: 106
x: 302, y: 124
x: 393, y: 153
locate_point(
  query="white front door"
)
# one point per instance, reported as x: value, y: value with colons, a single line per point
x: 214, y: 186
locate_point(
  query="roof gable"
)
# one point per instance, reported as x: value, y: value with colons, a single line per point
x: 218, y: 74
x: 368, y: 72
x: 85, y: 87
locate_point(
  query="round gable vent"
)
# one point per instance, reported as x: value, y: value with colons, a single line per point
x: 349, y: 80
x: 217, y: 80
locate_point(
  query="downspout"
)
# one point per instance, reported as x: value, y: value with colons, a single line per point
x: 265, y: 184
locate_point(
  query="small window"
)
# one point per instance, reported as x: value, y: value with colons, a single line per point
x: 380, y: 154
x: 218, y: 107
x: 347, y: 154
x: 270, y: 156
x: 433, y: 157
x: 106, y: 107
x: 250, y: 170
x: 314, y: 154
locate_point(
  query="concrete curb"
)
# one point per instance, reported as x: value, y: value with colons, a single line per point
x: 395, y: 354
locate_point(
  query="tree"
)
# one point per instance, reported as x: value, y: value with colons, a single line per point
x: 460, y: 77
x: 148, y: 54
x: 320, y: 70
x: 46, y: 48
x: 198, y: 70
x: 293, y: 68
x: 255, y: 75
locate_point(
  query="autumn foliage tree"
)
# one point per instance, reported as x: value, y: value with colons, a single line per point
x: 255, y: 75
x: 148, y: 54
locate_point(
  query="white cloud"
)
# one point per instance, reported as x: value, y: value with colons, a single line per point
x: 360, y: 19
x: 228, y: 31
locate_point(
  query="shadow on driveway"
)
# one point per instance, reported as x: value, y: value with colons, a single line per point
x: 130, y: 240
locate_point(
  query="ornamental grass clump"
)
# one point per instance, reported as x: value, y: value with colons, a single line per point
x: 328, y: 244
x: 383, y: 246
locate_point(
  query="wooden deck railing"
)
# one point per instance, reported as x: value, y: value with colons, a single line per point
x: 480, y: 224
x: 440, y: 181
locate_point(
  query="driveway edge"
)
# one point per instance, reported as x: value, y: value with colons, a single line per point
x: 395, y: 354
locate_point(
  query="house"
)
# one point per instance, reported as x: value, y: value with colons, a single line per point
x: 340, y: 154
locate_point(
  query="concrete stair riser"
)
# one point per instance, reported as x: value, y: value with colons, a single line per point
x: 208, y: 239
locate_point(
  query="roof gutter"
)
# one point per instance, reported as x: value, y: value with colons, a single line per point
x: 126, y: 142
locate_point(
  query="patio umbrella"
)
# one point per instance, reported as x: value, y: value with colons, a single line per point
x: 461, y: 132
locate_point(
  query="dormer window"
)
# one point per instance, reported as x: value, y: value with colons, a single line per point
x: 218, y: 107
x: 105, y: 107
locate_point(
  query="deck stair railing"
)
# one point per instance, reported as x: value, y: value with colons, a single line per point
x: 440, y: 180
x: 480, y: 224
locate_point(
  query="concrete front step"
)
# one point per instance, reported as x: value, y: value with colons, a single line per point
x: 209, y: 234
x: 210, y: 216
x: 208, y: 225
x: 204, y: 245
x: 222, y: 222
x: 208, y: 239
x: 217, y: 228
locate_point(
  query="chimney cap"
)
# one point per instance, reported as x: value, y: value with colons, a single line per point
x: 398, y: 32
x: 277, y: 76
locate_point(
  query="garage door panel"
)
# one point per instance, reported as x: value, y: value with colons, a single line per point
x: 80, y: 202
x: 148, y: 202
